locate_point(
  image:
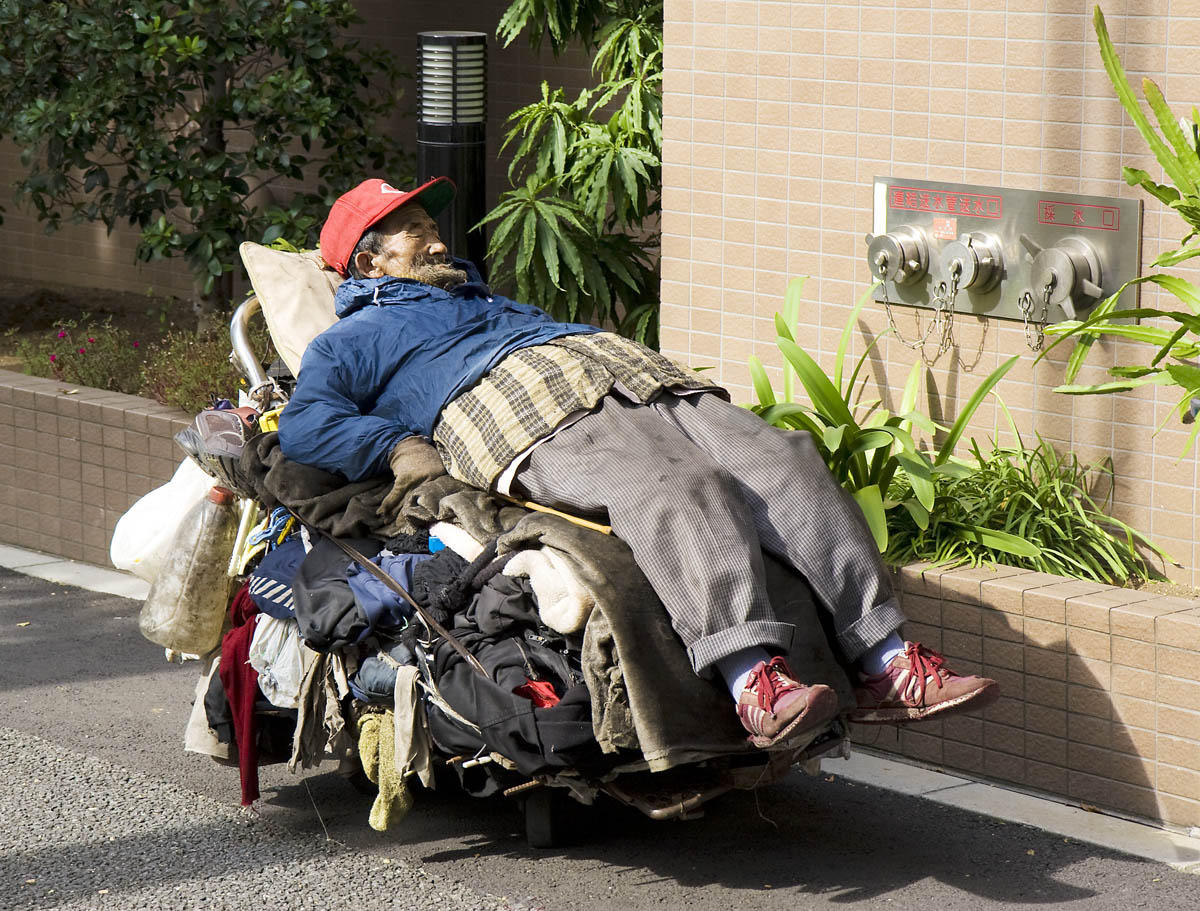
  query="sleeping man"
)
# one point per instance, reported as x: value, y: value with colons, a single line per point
x: 583, y: 420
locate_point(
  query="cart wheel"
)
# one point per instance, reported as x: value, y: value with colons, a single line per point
x: 544, y: 826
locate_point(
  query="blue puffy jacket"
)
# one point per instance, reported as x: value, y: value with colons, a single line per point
x: 399, y: 352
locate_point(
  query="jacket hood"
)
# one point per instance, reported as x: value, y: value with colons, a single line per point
x: 356, y: 293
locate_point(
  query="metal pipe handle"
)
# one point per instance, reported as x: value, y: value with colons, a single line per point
x: 239, y: 336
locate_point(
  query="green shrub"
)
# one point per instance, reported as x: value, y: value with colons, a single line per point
x: 577, y: 230
x: 1033, y: 493
x: 173, y: 115
x: 1028, y: 507
x: 188, y: 369
x: 865, y: 446
x: 185, y: 368
x: 1176, y: 146
x: 85, y: 353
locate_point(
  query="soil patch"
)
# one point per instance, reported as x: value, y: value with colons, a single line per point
x: 29, y: 309
x: 1168, y: 589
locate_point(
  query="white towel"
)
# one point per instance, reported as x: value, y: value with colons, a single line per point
x: 457, y: 540
x: 564, y: 601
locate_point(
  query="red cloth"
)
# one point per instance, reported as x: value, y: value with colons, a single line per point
x: 241, y: 688
x: 539, y: 692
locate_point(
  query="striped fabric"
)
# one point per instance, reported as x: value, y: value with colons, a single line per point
x: 535, y: 389
x: 271, y: 590
x: 699, y: 489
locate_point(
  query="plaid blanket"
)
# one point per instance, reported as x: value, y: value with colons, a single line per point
x: 533, y: 390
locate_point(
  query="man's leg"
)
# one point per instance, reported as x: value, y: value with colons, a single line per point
x: 802, y: 515
x: 799, y: 512
x: 693, y: 536
x: 684, y: 518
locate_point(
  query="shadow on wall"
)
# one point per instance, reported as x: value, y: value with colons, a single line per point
x: 1077, y: 716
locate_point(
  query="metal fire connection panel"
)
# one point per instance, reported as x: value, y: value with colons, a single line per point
x: 1011, y: 254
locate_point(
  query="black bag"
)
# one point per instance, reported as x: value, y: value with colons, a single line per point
x: 537, y: 740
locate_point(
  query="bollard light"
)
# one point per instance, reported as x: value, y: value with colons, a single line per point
x: 452, y: 130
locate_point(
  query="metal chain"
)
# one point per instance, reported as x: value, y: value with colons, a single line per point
x: 917, y: 343
x: 946, y: 308
x: 941, y: 319
x: 1037, y: 338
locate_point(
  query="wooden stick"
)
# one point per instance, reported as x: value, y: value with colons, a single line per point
x: 538, y: 507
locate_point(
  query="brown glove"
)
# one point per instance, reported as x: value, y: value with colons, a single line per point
x: 414, y: 461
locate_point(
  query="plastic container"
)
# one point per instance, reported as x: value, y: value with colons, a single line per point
x: 185, y: 610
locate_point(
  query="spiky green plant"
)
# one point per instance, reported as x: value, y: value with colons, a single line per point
x: 1177, y: 150
x: 866, y: 446
x: 1052, y: 501
x: 577, y: 232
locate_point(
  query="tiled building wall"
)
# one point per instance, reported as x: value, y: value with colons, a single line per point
x: 778, y: 115
x: 107, y: 261
x: 1099, y: 700
x: 72, y: 460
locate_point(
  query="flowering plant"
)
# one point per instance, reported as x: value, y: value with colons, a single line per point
x: 85, y: 353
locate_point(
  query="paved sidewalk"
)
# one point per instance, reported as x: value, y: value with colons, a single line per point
x: 98, y: 794
x: 1178, y: 850
x: 72, y: 572
x: 84, y: 833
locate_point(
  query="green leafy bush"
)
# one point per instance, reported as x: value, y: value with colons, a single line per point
x: 866, y: 446
x: 184, y: 368
x: 1033, y: 494
x: 176, y: 115
x: 85, y: 353
x: 577, y: 232
x: 1176, y: 146
x: 188, y: 369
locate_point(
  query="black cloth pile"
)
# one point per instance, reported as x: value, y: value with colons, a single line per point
x: 533, y: 707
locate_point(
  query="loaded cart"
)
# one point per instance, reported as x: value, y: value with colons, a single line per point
x: 457, y: 638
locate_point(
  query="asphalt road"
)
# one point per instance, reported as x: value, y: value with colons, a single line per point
x: 100, y: 807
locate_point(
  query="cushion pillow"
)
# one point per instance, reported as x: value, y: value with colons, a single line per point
x: 296, y: 292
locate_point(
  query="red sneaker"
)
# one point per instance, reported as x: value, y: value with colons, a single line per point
x: 775, y: 708
x: 916, y: 685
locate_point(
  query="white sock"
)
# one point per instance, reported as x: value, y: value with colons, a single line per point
x: 736, y: 668
x: 877, y: 659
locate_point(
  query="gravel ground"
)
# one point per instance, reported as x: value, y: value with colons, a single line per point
x: 94, y: 835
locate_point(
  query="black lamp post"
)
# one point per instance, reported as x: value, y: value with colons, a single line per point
x: 452, y: 130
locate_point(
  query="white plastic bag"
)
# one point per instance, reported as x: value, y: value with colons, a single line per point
x: 143, y: 535
x: 280, y: 658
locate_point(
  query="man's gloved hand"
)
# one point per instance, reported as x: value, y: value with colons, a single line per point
x: 414, y: 461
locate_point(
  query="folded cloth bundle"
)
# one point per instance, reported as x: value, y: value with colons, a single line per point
x: 321, y: 499
x: 271, y: 582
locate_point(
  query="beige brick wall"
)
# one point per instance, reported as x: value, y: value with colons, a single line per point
x: 107, y: 261
x: 73, y: 459
x: 780, y: 114
x: 1099, y: 701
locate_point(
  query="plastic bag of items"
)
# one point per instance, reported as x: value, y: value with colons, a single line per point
x: 144, y: 534
x: 281, y: 660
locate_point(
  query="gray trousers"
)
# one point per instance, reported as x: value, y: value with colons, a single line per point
x: 698, y: 488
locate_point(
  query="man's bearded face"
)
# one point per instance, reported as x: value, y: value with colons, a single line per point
x: 436, y: 270
x: 412, y: 248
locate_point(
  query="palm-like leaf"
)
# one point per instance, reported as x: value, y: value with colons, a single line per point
x: 592, y: 258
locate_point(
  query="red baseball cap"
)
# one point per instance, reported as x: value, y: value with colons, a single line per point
x: 355, y: 211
